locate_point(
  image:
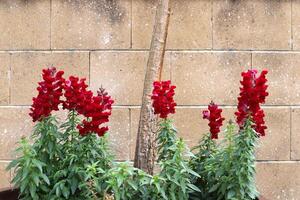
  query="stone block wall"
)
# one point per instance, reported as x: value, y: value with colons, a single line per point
x: 210, y: 42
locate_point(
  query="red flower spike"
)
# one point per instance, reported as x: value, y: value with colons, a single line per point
x: 76, y: 94
x: 97, y: 111
x: 252, y: 94
x: 49, y: 93
x: 213, y: 115
x: 162, y: 97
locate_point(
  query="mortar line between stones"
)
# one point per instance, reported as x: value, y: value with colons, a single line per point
x: 292, y: 37
x: 291, y: 124
x: 212, y: 23
x: 9, y: 80
x: 131, y: 23
x: 130, y: 134
x: 89, y: 68
x: 171, y: 66
x: 138, y: 50
x: 278, y: 161
x: 251, y: 60
x: 50, y: 35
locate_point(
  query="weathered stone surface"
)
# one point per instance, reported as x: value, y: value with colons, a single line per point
x: 4, y: 78
x: 27, y: 68
x: 191, y: 127
x: 25, y: 24
x: 4, y: 175
x: 14, y: 123
x: 296, y: 24
x: 276, y: 144
x: 204, y: 76
x: 295, y: 136
x: 190, y: 24
x: 283, y: 76
x: 122, y: 74
x: 91, y: 24
x: 134, y: 125
x: 279, y: 180
x: 252, y: 24
x: 119, y: 135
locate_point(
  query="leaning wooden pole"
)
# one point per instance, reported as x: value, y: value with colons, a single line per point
x: 145, y: 143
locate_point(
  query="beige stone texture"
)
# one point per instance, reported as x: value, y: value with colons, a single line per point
x: 14, y: 123
x: 296, y: 24
x: 190, y: 24
x: 283, y: 76
x: 4, y: 78
x: 25, y: 24
x: 122, y: 74
x: 90, y: 24
x: 209, y: 45
x: 204, y: 76
x: 252, y: 24
x: 279, y: 180
x: 276, y: 144
x: 119, y: 135
x: 4, y: 175
x: 295, y: 136
x: 134, y: 125
x: 26, y: 69
x: 191, y: 127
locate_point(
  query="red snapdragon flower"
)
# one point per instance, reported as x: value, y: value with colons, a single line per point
x: 162, y: 96
x: 49, y: 93
x: 76, y: 94
x: 97, y: 112
x: 252, y: 94
x: 213, y: 114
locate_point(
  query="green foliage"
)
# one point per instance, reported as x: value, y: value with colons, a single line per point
x: 206, y: 149
x: 228, y: 171
x: 126, y: 182
x: 61, y: 164
x: 34, y: 169
x: 174, y: 164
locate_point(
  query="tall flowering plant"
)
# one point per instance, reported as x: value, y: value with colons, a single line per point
x: 171, y: 150
x: 228, y: 170
x: 206, y: 149
x: 56, y: 164
x: 72, y: 160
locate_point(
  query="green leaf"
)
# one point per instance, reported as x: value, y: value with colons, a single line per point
x: 45, y: 178
x: 193, y: 187
x: 230, y: 194
x: 214, y: 188
x: 32, y: 189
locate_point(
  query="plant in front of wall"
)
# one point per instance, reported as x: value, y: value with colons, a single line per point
x: 72, y: 160
x: 228, y: 169
x: 59, y: 163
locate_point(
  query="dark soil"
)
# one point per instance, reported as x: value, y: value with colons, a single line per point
x: 9, y: 194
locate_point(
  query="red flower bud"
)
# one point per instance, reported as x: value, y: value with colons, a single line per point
x: 49, y: 93
x: 162, y: 96
x: 213, y: 115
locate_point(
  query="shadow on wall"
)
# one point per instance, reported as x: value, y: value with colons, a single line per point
x: 111, y: 9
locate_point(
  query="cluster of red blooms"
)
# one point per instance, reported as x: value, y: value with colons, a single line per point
x: 162, y: 96
x: 76, y: 94
x: 252, y: 94
x: 96, y: 109
x: 213, y: 114
x: 49, y: 94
